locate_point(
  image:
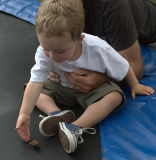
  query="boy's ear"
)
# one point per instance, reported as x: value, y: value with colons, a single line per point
x: 80, y: 39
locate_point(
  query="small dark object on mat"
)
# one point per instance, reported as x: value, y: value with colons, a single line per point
x: 34, y: 144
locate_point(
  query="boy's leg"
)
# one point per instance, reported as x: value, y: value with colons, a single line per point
x: 99, y: 110
x: 70, y: 134
x: 46, y: 104
x: 48, y: 126
x: 51, y: 93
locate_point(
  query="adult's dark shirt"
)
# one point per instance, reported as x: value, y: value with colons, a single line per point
x: 121, y: 22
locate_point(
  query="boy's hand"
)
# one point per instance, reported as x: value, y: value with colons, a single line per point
x: 22, y: 126
x: 142, y: 90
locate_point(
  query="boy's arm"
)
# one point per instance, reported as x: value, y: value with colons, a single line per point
x: 131, y: 78
x: 136, y: 87
x: 31, y: 95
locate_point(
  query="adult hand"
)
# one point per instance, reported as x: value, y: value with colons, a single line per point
x: 22, y: 126
x: 85, y: 80
x: 55, y: 77
x: 142, y: 90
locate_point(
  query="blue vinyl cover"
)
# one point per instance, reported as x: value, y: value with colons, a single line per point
x: 23, y: 9
x: 129, y: 134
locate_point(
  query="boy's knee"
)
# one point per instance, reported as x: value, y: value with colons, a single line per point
x: 117, y: 96
x: 118, y: 99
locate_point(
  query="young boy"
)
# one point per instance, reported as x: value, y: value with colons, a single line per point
x: 63, y: 47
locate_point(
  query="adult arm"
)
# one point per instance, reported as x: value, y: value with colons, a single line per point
x: 133, y: 56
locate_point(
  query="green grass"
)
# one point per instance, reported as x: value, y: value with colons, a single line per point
x: 153, y: 1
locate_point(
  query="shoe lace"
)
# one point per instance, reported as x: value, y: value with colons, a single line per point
x: 80, y: 131
x: 41, y: 116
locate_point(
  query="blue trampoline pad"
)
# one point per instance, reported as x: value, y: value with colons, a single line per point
x: 130, y: 133
x: 23, y: 9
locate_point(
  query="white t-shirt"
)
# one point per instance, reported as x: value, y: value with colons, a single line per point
x: 97, y: 55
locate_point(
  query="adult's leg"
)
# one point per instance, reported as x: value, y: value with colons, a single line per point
x: 99, y: 110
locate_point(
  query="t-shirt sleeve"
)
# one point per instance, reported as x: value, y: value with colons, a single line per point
x: 40, y: 71
x: 119, y: 25
x: 114, y: 65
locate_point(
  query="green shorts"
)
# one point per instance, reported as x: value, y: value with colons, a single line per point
x: 70, y: 97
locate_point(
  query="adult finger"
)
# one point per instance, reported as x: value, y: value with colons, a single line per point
x: 55, y: 80
x: 78, y: 76
x: 54, y: 74
x: 81, y: 72
x: 71, y: 77
x: 54, y: 77
x: 82, y: 88
x: 74, y: 78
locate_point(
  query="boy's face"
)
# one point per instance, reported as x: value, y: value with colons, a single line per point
x: 59, y: 48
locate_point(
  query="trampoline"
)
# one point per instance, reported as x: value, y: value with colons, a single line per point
x: 128, y: 134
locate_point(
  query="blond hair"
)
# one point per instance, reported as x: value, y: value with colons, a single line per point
x: 55, y: 17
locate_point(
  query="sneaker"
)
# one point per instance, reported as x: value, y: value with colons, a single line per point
x: 48, y: 126
x: 70, y: 135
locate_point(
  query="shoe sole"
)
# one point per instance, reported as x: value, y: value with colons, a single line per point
x: 67, y: 139
x: 49, y: 125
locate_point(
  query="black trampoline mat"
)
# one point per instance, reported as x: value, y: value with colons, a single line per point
x: 18, y: 43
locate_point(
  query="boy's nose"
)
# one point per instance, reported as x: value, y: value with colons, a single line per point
x: 51, y: 56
